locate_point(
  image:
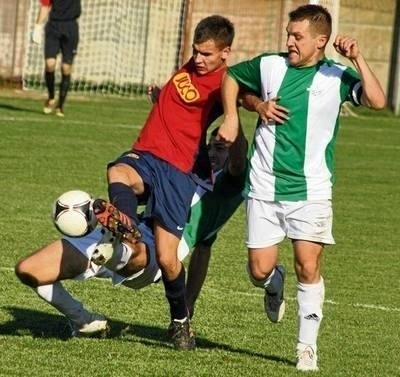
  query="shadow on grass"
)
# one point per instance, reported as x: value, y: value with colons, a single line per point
x: 29, y: 322
x: 6, y: 106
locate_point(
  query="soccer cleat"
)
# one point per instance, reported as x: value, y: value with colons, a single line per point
x: 105, y: 248
x: 48, y: 106
x: 59, y: 113
x: 274, y: 303
x: 116, y: 221
x: 98, y: 326
x: 181, y: 335
x: 306, y: 359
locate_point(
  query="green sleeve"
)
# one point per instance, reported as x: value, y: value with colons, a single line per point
x: 350, y: 79
x: 247, y: 74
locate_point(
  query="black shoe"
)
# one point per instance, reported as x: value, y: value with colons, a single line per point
x: 274, y: 304
x: 181, y: 335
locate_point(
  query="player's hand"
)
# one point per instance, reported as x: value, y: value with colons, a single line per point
x: 229, y: 129
x: 153, y: 91
x: 346, y: 46
x: 270, y: 111
x: 37, y: 34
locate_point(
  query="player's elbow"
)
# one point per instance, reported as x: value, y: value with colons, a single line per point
x: 376, y: 102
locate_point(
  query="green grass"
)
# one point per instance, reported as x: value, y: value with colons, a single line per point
x: 42, y: 156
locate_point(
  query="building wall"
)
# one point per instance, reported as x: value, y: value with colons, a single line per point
x: 12, y: 37
x: 371, y: 22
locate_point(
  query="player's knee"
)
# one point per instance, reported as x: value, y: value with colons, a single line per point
x: 307, y: 272
x: 256, y: 278
x: 24, y: 274
x: 119, y: 173
x: 50, y: 65
x: 170, y: 267
x: 66, y: 69
x: 258, y: 275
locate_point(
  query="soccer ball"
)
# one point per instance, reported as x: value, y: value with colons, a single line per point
x: 73, y: 213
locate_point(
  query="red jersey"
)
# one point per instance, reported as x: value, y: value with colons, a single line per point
x: 177, y: 123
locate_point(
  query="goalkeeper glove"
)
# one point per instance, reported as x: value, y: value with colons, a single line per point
x: 37, y: 34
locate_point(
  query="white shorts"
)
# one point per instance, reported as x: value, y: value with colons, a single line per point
x: 87, y: 244
x: 268, y: 223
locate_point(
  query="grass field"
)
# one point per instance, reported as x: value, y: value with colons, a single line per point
x: 43, y: 156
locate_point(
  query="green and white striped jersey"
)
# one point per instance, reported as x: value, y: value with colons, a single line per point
x: 295, y: 161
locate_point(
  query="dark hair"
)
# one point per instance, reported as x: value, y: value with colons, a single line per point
x: 318, y: 16
x: 217, y: 28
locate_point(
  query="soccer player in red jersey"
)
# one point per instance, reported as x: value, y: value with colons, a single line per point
x: 160, y: 168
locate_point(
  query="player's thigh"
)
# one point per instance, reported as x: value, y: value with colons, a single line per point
x: 56, y: 261
x: 310, y: 221
x: 264, y: 225
x: 126, y: 174
x: 69, y: 42
x: 52, y: 44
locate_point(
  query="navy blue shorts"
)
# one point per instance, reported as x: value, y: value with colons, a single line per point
x: 61, y: 36
x: 170, y: 191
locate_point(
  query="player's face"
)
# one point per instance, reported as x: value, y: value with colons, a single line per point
x: 304, y: 46
x: 208, y: 57
x: 217, y: 153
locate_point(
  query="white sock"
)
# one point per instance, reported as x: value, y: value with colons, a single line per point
x: 57, y: 296
x: 264, y: 283
x: 120, y: 257
x: 310, y: 299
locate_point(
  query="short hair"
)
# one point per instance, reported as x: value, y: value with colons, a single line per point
x: 318, y: 16
x: 217, y: 28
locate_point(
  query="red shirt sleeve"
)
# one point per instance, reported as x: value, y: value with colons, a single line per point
x: 46, y: 3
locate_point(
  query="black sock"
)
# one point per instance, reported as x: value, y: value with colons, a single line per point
x: 49, y: 78
x: 123, y: 197
x: 64, y: 86
x: 175, y: 293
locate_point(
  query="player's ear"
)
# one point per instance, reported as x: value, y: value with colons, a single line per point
x: 322, y: 40
x: 225, y: 52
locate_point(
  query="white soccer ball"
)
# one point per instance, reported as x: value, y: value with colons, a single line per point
x: 73, y: 213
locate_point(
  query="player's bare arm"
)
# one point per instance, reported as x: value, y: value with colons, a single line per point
x: 373, y: 95
x: 228, y: 130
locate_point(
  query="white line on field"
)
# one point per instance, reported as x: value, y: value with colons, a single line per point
x: 67, y: 121
x: 329, y: 302
x: 378, y: 146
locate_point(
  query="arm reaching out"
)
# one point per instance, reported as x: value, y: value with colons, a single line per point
x: 373, y: 95
x: 38, y: 29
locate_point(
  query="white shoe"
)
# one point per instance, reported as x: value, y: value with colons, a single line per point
x: 98, y: 325
x: 48, y: 106
x: 105, y: 248
x: 306, y: 359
